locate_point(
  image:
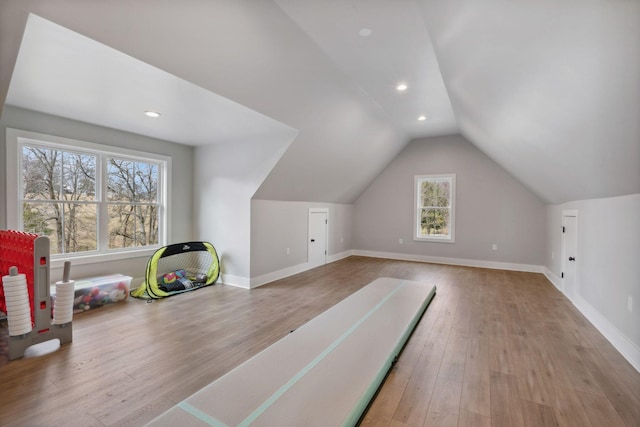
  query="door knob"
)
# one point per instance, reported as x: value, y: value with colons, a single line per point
x: 572, y: 258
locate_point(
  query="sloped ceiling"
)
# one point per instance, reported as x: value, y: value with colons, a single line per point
x: 61, y: 72
x: 549, y: 90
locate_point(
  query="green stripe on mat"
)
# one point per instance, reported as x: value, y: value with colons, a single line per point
x: 356, y: 413
x: 202, y: 416
x: 275, y: 396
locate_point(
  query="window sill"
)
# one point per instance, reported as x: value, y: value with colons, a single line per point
x: 58, y: 261
x: 433, y: 240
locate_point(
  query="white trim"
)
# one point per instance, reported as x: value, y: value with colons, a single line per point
x: 237, y: 281
x: 11, y: 177
x: 326, y: 233
x: 618, y: 340
x: 451, y: 238
x: 339, y: 256
x: 572, y: 213
x: 95, y: 258
x: 14, y: 138
x: 555, y: 280
x: 279, y: 274
x: 627, y: 349
x: 621, y: 343
x: 296, y: 269
x: 453, y: 261
x: 290, y: 271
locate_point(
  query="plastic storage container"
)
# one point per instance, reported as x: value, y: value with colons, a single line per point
x: 95, y: 292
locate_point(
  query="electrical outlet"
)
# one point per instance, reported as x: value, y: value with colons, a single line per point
x: 494, y: 247
x: 342, y: 240
x: 630, y: 303
x: 401, y: 241
x: 288, y: 251
x: 553, y: 255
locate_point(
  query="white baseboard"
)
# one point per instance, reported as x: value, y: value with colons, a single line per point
x: 339, y: 256
x: 279, y: 274
x: 555, y: 280
x: 453, y: 261
x: 237, y: 281
x: 290, y: 271
x: 621, y: 343
x: 628, y: 349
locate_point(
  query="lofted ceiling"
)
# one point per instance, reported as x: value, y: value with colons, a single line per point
x: 61, y: 72
x: 549, y: 90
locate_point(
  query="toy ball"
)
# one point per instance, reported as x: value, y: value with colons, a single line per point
x: 169, y: 278
x: 201, y: 278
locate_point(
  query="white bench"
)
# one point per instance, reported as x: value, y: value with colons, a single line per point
x: 322, y: 374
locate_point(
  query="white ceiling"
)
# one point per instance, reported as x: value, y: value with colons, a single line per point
x: 398, y: 50
x: 64, y: 73
x: 550, y: 90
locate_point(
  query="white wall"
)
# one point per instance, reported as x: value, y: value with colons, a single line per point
x: 250, y: 52
x: 608, y: 266
x: 277, y: 225
x: 182, y: 160
x: 225, y: 178
x: 491, y: 207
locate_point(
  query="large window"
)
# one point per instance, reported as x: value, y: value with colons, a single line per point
x: 89, y: 199
x: 434, y: 210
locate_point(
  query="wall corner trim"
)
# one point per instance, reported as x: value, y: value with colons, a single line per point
x: 290, y: 271
x: 453, y: 261
x: 237, y: 281
x: 555, y: 280
x: 621, y: 343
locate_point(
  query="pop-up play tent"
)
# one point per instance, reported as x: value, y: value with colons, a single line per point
x: 177, y: 268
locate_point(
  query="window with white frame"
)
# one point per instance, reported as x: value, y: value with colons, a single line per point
x: 89, y: 199
x: 434, y: 210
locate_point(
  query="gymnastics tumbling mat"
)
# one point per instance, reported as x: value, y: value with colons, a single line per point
x: 324, y: 373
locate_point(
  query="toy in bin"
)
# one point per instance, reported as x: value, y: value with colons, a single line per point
x: 97, y: 291
x: 178, y: 281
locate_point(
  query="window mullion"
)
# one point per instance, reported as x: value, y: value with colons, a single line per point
x: 86, y: 208
x: 103, y: 211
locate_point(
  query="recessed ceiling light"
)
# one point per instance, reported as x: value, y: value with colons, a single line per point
x: 152, y: 114
x: 401, y: 87
x: 365, y: 32
x: 422, y: 118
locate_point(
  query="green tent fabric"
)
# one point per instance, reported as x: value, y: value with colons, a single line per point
x: 199, y: 260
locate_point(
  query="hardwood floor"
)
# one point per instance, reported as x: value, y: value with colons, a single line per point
x: 494, y: 348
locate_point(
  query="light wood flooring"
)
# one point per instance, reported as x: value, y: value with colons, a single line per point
x: 495, y: 348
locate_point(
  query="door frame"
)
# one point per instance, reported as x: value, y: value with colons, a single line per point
x: 326, y: 233
x: 563, y: 253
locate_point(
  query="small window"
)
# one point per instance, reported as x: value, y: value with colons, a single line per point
x: 435, y: 207
x: 89, y: 199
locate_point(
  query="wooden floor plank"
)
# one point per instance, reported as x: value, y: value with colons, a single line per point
x: 506, y: 408
x: 494, y: 348
x: 536, y: 415
x: 476, y: 388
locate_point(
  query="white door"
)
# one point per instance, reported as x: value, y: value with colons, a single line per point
x: 317, y: 237
x: 569, y: 255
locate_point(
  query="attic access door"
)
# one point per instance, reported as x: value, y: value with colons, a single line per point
x: 317, y: 237
x: 569, y: 252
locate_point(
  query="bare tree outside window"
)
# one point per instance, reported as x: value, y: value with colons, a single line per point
x: 58, y: 198
x: 62, y: 199
x: 434, y: 207
x: 132, y: 193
